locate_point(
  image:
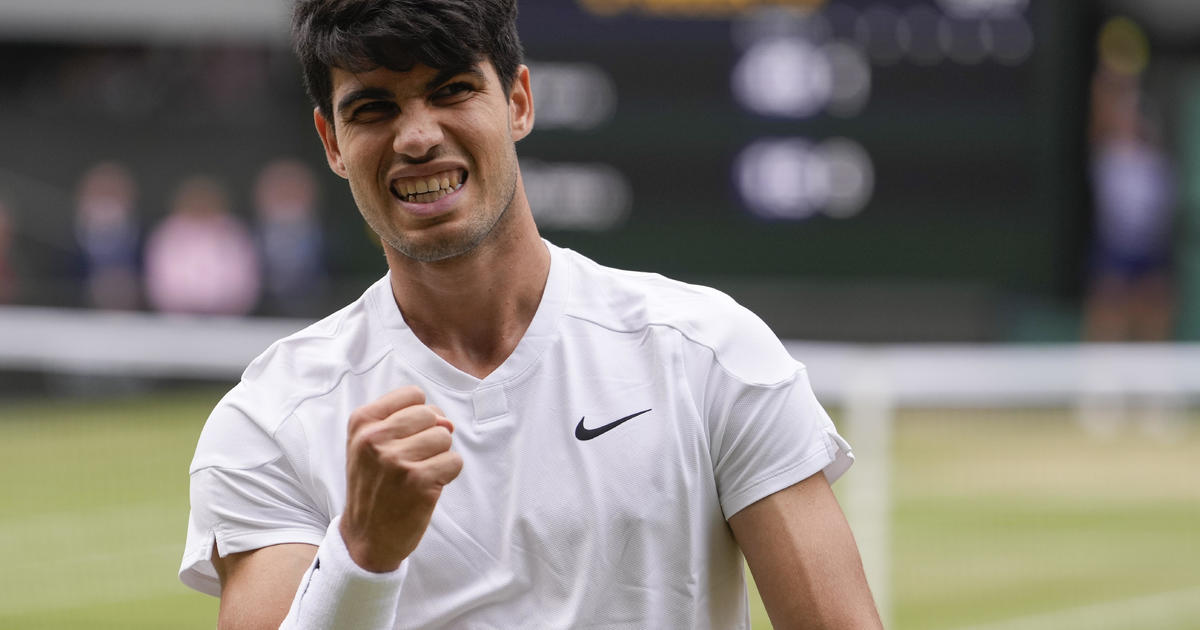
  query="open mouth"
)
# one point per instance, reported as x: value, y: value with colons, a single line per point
x: 429, y: 188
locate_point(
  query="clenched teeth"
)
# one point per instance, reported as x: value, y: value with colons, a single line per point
x: 428, y: 189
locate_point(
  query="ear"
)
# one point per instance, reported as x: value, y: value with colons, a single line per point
x: 328, y: 138
x: 520, y: 104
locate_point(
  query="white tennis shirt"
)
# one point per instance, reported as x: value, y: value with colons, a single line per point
x: 562, y: 517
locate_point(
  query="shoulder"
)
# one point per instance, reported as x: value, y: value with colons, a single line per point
x: 242, y: 429
x: 317, y: 357
x: 708, y: 321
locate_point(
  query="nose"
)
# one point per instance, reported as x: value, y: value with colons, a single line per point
x: 418, y: 132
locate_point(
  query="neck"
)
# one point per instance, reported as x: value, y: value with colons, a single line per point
x: 473, y: 309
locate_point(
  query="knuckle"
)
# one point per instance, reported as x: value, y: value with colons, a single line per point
x: 414, y: 393
x: 416, y: 409
x: 426, y: 413
x: 405, y: 474
x: 359, y: 441
x: 400, y: 464
x: 415, y: 419
x: 370, y: 435
x: 378, y: 449
x: 433, y: 493
x: 440, y: 438
x: 453, y: 468
x: 420, y: 476
x: 357, y: 419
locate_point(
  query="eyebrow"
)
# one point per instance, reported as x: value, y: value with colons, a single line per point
x: 366, y: 93
x: 449, y: 73
x: 362, y: 94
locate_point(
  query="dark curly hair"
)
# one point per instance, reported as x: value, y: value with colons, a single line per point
x: 360, y: 35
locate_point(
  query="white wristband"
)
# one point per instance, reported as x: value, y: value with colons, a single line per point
x: 336, y: 593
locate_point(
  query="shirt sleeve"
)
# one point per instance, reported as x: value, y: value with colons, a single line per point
x: 245, y: 494
x: 766, y: 429
x: 770, y: 437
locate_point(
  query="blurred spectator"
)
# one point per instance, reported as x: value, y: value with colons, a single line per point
x: 8, y: 275
x: 290, y: 238
x: 1131, y: 297
x: 107, y: 230
x: 201, y: 259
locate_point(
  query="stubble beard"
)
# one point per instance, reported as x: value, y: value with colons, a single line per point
x: 476, y: 231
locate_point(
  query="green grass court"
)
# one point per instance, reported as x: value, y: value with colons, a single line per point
x: 1002, y: 520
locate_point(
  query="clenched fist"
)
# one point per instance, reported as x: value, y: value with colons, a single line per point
x: 398, y: 458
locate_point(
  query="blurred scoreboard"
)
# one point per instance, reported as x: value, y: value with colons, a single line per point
x: 857, y: 144
x: 842, y: 140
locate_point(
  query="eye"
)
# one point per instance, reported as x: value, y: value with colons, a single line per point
x: 454, y: 92
x: 373, y: 110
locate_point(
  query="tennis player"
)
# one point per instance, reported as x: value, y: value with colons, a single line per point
x: 501, y: 433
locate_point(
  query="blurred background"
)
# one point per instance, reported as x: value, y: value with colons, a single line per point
x: 976, y: 221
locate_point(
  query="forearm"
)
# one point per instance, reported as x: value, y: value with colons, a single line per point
x: 336, y: 593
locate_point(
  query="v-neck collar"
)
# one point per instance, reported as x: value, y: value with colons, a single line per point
x: 542, y: 332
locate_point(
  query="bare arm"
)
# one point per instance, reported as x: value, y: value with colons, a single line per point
x: 804, y: 559
x: 257, y: 587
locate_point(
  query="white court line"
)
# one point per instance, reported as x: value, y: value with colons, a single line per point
x: 1146, y: 611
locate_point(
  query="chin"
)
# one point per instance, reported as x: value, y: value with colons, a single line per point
x: 450, y: 239
x: 434, y: 250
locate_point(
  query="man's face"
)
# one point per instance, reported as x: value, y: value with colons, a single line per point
x: 429, y: 154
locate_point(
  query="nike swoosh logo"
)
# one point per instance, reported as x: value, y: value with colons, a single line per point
x: 583, y: 433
